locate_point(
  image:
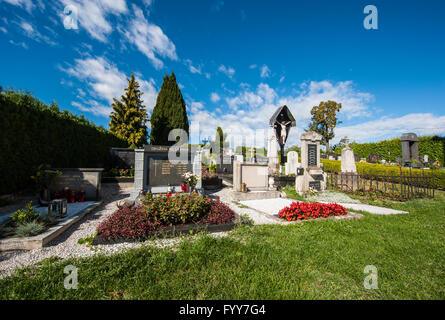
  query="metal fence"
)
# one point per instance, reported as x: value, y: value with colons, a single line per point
x: 400, y: 187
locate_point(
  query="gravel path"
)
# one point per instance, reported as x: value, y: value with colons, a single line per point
x: 258, y: 217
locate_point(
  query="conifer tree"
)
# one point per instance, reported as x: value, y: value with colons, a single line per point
x: 169, y: 112
x: 129, y: 116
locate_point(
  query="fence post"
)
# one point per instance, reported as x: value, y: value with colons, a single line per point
x: 432, y: 180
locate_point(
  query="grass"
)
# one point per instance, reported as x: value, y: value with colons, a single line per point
x: 239, y: 204
x: 292, y: 194
x: 310, y: 260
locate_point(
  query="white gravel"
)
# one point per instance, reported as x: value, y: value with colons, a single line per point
x: 269, y: 206
x: 371, y: 209
x: 333, y: 197
x: 66, y: 246
x: 257, y: 216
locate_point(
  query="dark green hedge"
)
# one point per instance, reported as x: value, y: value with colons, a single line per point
x: 33, y: 133
x: 433, y: 146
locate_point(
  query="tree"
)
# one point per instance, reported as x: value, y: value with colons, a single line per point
x: 129, y: 117
x: 169, y: 112
x: 324, y: 119
x: 220, y: 143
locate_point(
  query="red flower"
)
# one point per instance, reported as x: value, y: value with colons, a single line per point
x: 303, y: 211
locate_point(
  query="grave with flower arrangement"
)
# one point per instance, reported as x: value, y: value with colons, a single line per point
x: 159, y: 169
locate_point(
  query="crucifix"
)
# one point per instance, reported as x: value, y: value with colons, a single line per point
x: 282, y: 120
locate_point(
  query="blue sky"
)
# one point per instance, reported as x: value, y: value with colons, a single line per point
x: 236, y: 61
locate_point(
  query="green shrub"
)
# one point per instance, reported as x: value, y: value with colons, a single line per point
x: 49, y: 219
x: 34, y: 133
x: 180, y: 209
x: 29, y: 229
x: 26, y: 215
x: 372, y: 168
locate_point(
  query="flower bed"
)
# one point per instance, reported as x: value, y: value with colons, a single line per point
x: 304, y: 211
x: 26, y: 222
x: 138, y: 222
x: 210, y: 180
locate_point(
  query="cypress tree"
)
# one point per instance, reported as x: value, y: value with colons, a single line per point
x: 129, y: 116
x: 169, y: 112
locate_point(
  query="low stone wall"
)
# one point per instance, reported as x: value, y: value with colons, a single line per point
x: 281, y: 182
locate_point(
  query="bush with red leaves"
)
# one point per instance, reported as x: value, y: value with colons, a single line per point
x: 219, y: 213
x: 304, y: 210
x: 139, y: 222
x: 128, y: 223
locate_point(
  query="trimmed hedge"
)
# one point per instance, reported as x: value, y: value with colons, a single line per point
x: 433, y: 146
x: 371, y: 168
x: 33, y: 133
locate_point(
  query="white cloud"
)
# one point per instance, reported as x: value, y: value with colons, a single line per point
x: 282, y: 79
x: 92, y: 15
x: 228, y: 71
x: 94, y: 108
x: 105, y: 81
x: 192, y: 68
x: 252, y: 66
x: 149, y: 39
x: 265, y: 71
x: 30, y: 31
x: 28, y: 5
x: 20, y: 44
x: 389, y: 127
x: 2, y: 29
x: 147, y: 3
x: 249, y: 110
x: 214, y: 97
x: 217, y: 6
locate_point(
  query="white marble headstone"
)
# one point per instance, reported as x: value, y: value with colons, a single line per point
x: 292, y: 162
x: 348, y: 160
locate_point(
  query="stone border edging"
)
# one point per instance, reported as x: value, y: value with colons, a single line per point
x: 349, y: 216
x: 173, y: 231
x: 39, y: 241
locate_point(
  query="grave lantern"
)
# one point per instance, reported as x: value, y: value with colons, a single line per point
x: 58, y: 207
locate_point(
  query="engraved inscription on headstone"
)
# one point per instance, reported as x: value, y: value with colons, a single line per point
x: 312, y: 154
x: 315, y: 184
x: 162, y: 173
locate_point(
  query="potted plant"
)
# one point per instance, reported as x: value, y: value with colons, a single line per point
x: 44, y: 179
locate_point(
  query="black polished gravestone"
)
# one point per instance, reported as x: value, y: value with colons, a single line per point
x: 163, y: 172
x: 374, y: 158
x: 154, y: 171
x: 312, y: 155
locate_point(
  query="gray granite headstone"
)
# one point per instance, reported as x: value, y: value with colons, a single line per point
x: 410, y: 148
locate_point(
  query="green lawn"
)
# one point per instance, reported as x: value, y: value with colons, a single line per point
x: 310, y: 260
